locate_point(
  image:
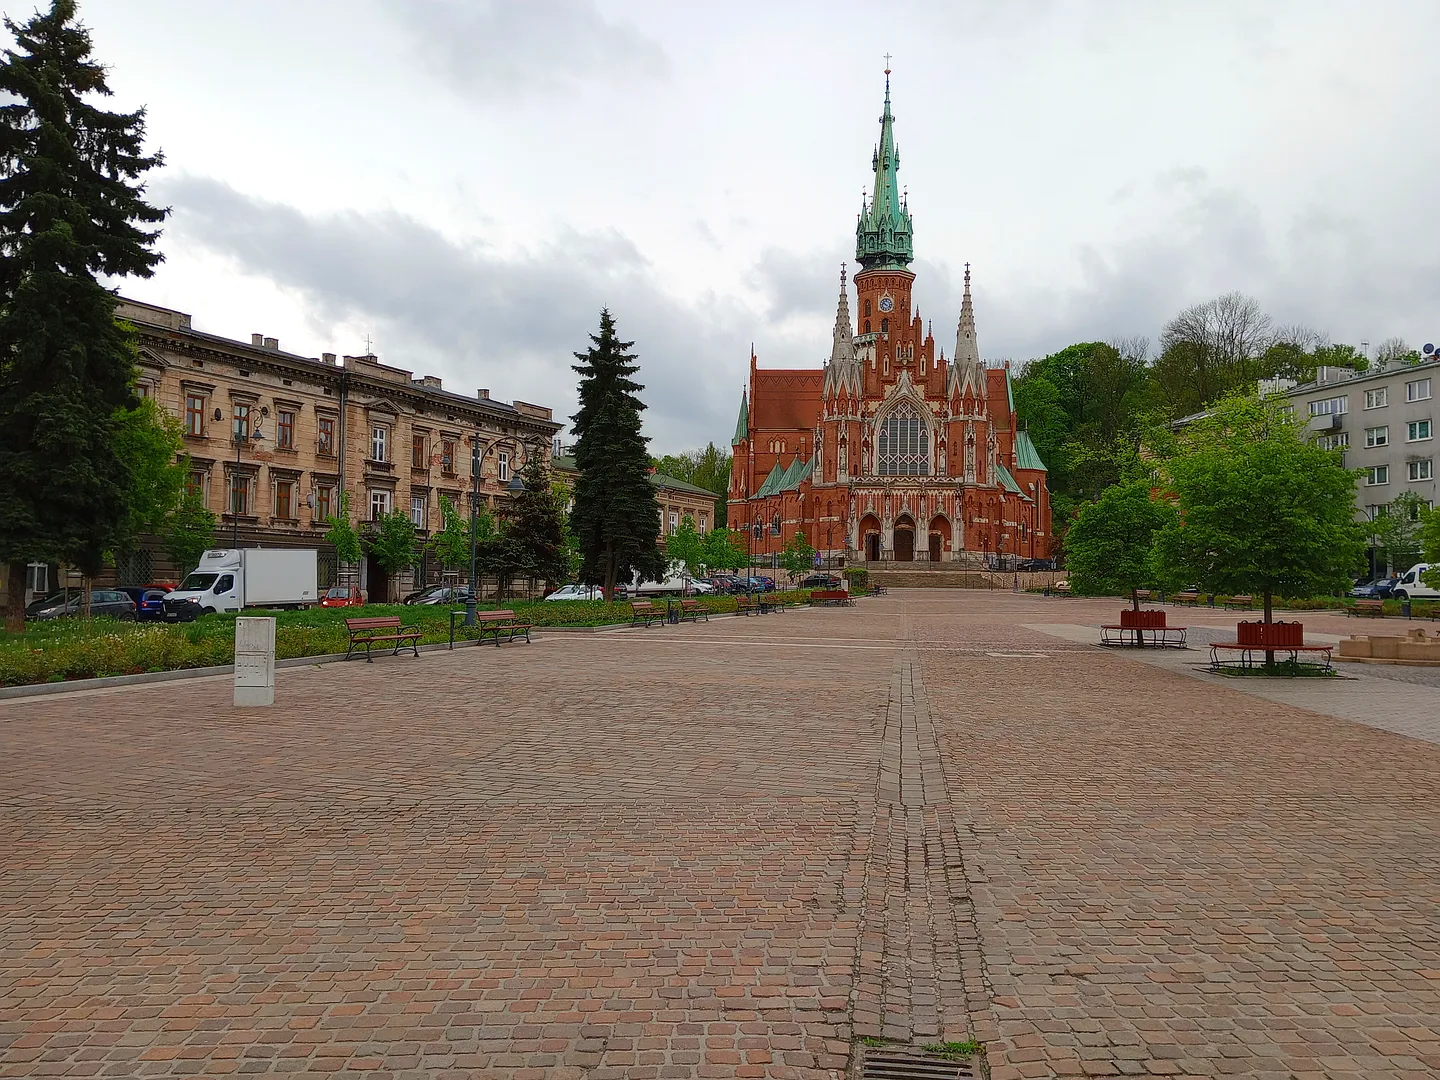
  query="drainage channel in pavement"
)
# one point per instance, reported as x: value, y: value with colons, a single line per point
x: 887, y: 1063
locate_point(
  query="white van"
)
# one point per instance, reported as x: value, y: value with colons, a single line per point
x: 1412, y: 588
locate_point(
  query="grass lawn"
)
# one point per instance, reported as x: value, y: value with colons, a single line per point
x: 65, y: 649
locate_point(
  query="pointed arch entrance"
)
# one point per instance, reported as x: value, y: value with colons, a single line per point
x: 870, y: 537
x: 939, y: 537
x: 904, y: 538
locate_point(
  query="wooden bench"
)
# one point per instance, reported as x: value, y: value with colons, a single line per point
x: 1246, y: 657
x: 751, y: 605
x: 379, y: 628
x: 1373, y: 608
x: 877, y: 590
x: 831, y: 597
x: 1187, y: 597
x: 500, y: 621
x: 643, y: 613
x: 1240, y: 603
x: 694, y: 611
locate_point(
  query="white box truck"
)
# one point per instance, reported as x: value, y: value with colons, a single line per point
x: 232, y: 579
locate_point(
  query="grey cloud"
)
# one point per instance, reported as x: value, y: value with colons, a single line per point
x: 502, y: 50
x: 479, y: 319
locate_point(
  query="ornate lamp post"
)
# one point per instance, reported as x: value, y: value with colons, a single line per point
x: 241, y: 441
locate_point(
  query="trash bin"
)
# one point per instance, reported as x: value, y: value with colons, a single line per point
x: 1405, y: 607
x: 672, y: 612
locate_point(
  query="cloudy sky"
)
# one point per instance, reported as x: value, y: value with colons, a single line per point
x: 468, y: 182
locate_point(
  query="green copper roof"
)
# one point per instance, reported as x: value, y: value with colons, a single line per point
x: 1026, y: 456
x: 884, y: 235
x: 772, y: 482
x: 742, y: 426
x: 1008, y: 482
x: 791, y: 479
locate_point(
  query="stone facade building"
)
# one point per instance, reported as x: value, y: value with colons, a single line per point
x: 326, y: 425
x: 889, y: 451
x: 676, y: 499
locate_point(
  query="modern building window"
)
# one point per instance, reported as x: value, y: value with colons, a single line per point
x: 1377, y: 436
x: 379, y: 437
x: 1377, y: 475
x: 447, y: 457
x: 284, y: 430
x: 379, y: 503
x: 1417, y: 431
x: 1377, y: 398
x: 1420, y: 470
x: 417, y: 452
x: 325, y: 444
x: 1330, y: 406
x: 239, y: 493
x: 502, y: 468
x: 417, y: 511
x: 285, y: 499
x: 904, y: 447
x: 194, y: 414
x: 324, y: 502
x: 1339, y: 441
x: 1419, y: 390
x: 240, y: 421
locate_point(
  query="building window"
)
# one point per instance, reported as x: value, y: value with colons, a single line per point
x: 1377, y: 475
x: 285, y: 430
x: 672, y: 524
x: 194, y: 414
x: 1338, y: 441
x: 502, y: 469
x: 1377, y: 398
x: 239, y: 494
x: 1420, y: 470
x: 379, y: 504
x: 447, y: 457
x: 1419, y: 390
x: 904, y: 448
x: 1330, y: 406
x: 885, y: 327
x: 867, y: 307
x: 417, y: 511
x: 324, y: 503
x: 195, y: 483
x: 704, y: 520
x: 1417, y: 431
x: 325, y: 445
x: 379, y: 436
x: 240, y: 421
x: 285, y: 499
x: 1377, y: 436
x: 417, y: 452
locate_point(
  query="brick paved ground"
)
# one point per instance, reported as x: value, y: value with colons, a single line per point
x: 720, y: 850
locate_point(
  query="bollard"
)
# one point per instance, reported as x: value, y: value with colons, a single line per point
x: 254, y: 662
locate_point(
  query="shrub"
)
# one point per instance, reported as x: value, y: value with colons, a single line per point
x: 858, y: 577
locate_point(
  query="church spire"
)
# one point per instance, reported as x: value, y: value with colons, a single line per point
x: 883, y: 237
x: 742, y: 425
x: 843, y: 347
x: 966, y: 360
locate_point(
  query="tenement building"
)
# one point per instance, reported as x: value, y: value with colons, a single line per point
x: 275, y: 439
x: 889, y: 451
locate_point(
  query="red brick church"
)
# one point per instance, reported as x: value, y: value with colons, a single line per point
x: 889, y: 451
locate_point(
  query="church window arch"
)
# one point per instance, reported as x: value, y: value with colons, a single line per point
x: 867, y: 307
x: 903, y: 448
x: 885, y: 327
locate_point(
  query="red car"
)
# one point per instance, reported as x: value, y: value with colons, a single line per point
x: 343, y: 596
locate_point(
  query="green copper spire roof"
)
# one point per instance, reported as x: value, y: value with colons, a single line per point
x: 742, y: 426
x: 883, y: 236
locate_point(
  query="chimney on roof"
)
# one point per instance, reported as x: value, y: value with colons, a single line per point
x: 483, y: 395
x: 258, y: 340
x: 329, y: 358
x: 272, y: 343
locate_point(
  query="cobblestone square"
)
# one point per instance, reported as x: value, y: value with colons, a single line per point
x: 728, y: 849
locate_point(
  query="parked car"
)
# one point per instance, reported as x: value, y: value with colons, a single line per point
x: 1378, y: 589
x: 149, y: 601
x: 111, y: 602
x: 1409, y: 585
x: 1031, y: 565
x: 442, y: 594
x: 343, y: 596
x: 822, y: 581
x: 577, y: 592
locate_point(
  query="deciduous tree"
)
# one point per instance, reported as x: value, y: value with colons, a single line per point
x: 1110, y: 547
x: 394, y: 545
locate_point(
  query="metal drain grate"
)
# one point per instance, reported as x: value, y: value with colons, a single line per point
x: 897, y: 1065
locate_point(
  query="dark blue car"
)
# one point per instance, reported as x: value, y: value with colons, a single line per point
x: 149, y: 602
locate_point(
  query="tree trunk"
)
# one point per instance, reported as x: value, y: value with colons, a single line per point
x: 1135, y: 598
x: 86, y: 588
x: 15, y: 597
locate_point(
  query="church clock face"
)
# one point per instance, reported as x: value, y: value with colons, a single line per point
x: 887, y: 304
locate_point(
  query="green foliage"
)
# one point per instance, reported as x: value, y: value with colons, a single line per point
x: 858, y: 577
x: 1262, y: 509
x: 71, y: 210
x: 188, y: 532
x: 616, y: 519
x: 724, y: 549
x: 797, y: 557
x: 686, y: 546
x: 343, y: 535
x: 394, y: 543
x: 708, y: 468
x: 452, y: 542
x: 151, y: 442
x: 1109, y: 548
x: 1430, y: 547
x: 533, y: 542
x: 1398, y: 528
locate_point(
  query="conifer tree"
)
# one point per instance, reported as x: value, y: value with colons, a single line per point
x: 72, y: 208
x: 533, y: 544
x: 616, y: 519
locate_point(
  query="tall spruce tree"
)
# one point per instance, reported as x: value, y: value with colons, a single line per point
x: 72, y: 208
x: 616, y: 519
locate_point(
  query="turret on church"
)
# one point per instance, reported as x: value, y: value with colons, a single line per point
x: 888, y: 452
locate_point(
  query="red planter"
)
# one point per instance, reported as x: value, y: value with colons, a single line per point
x: 1276, y: 635
x: 1130, y: 619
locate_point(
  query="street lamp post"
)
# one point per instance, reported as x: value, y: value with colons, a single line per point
x: 474, y: 526
x: 240, y: 440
